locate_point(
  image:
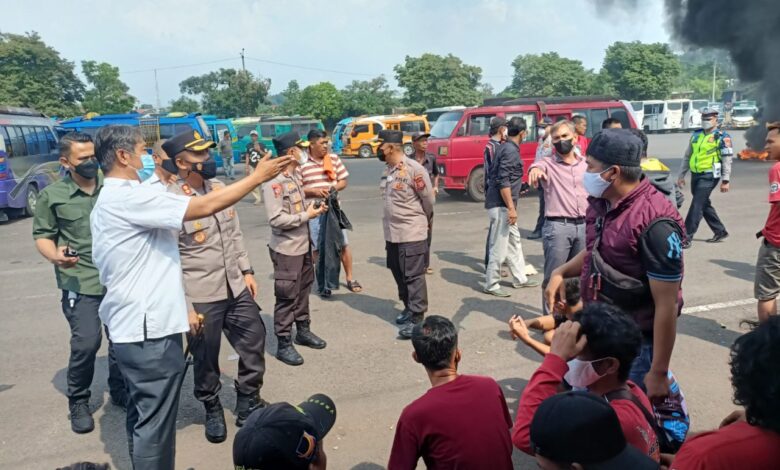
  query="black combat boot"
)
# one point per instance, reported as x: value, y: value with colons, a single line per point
x: 406, y: 330
x: 305, y: 337
x: 216, y: 430
x: 246, y: 404
x: 81, y: 421
x: 286, y: 352
x: 403, y: 317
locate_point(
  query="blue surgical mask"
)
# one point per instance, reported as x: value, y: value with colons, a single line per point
x: 594, y: 184
x: 147, y: 170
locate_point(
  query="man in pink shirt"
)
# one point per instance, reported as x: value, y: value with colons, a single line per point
x: 565, y: 199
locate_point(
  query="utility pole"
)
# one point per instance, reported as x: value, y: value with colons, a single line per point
x: 714, y: 67
x: 157, y: 90
x: 243, y: 65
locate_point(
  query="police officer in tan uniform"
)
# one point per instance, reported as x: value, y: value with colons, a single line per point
x: 408, y: 211
x: 220, y: 285
x: 290, y: 248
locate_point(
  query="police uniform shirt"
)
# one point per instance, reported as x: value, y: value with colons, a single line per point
x: 212, y: 250
x: 408, y: 202
x: 285, y: 206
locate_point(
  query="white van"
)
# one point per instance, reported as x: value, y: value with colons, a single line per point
x: 693, y: 117
x: 674, y: 114
x: 654, y: 118
x: 638, y: 107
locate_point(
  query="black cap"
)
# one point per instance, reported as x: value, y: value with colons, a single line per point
x: 616, y: 147
x: 546, y: 121
x: 419, y: 135
x: 282, y: 436
x: 390, y: 137
x: 187, y: 140
x: 583, y: 428
x: 285, y: 141
x: 495, y: 123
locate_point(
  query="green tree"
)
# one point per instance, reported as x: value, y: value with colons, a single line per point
x: 290, y: 97
x: 33, y: 74
x: 549, y: 74
x: 228, y: 92
x: 696, y: 72
x: 640, y: 71
x: 323, y: 101
x: 108, y: 94
x: 184, y: 104
x: 368, y: 97
x: 433, y: 81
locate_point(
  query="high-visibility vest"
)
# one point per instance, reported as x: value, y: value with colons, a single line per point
x: 705, y: 151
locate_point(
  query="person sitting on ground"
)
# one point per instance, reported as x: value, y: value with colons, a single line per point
x: 580, y: 431
x: 285, y: 437
x: 564, y: 310
x: 462, y: 421
x: 747, y: 439
x: 593, y: 353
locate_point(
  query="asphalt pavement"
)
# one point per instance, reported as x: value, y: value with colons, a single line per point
x: 367, y: 371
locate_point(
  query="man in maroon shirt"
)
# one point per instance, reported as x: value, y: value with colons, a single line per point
x: 767, y: 283
x: 595, y: 354
x: 462, y: 421
x: 748, y: 439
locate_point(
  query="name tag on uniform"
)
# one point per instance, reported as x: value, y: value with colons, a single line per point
x: 716, y: 168
x: 389, y: 179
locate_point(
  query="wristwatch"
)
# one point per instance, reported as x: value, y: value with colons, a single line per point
x: 248, y: 271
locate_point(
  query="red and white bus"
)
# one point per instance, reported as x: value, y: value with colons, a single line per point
x: 459, y: 137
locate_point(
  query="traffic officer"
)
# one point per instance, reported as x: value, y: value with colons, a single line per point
x: 708, y: 158
x: 62, y: 235
x: 290, y: 249
x: 220, y: 285
x: 408, y: 211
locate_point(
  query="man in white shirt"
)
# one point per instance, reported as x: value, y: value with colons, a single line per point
x: 135, y: 248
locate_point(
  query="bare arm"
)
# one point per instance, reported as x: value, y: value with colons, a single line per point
x: 664, y: 333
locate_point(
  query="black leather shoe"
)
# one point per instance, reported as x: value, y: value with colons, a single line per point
x: 119, y: 400
x: 406, y: 330
x: 535, y: 235
x: 216, y: 430
x: 686, y: 244
x: 81, y: 421
x: 719, y: 237
x: 246, y: 404
x: 403, y: 317
x: 286, y: 352
x: 305, y: 337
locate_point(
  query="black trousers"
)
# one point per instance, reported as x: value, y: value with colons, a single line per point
x: 540, y: 219
x: 293, y: 277
x: 153, y: 371
x: 430, y: 239
x: 239, y: 318
x: 702, y: 185
x: 85, y: 339
x: 407, y: 263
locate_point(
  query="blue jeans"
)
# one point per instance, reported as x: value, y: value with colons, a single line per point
x: 641, y: 365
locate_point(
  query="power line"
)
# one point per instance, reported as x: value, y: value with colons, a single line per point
x: 303, y: 67
x: 171, y: 67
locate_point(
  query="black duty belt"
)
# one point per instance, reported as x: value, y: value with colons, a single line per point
x: 567, y: 220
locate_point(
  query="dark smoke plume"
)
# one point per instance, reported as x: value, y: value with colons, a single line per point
x: 750, y: 31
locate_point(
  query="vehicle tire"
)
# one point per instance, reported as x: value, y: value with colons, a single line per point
x: 476, y: 184
x: 32, y: 200
x: 408, y: 150
x: 365, y: 151
x: 456, y: 193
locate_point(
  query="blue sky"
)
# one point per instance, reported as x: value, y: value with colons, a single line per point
x: 359, y: 39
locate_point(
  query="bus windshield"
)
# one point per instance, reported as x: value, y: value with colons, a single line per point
x: 674, y: 105
x: 445, y: 124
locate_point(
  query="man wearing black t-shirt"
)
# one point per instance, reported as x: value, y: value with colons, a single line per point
x: 255, y: 151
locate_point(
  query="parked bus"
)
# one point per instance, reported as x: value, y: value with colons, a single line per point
x: 692, y: 115
x: 638, y: 108
x: 433, y: 114
x: 29, y: 159
x: 268, y: 127
x: 361, y: 134
x: 674, y: 113
x: 654, y: 118
x: 458, y: 138
x: 217, y: 128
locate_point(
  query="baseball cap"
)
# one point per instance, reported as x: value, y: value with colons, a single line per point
x: 390, y: 137
x: 282, y: 436
x: 252, y: 132
x: 419, y: 135
x: 709, y: 112
x: 187, y: 140
x: 616, y: 147
x: 583, y: 428
x: 287, y: 140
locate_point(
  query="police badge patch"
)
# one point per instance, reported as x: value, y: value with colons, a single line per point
x: 419, y: 183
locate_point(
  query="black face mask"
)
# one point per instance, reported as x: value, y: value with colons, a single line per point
x: 87, y: 169
x: 207, y: 169
x: 564, y: 147
x: 380, y: 154
x: 170, y: 166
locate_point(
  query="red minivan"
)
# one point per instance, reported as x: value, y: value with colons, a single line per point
x: 459, y: 137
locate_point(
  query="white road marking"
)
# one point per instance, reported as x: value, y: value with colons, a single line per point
x: 718, y: 306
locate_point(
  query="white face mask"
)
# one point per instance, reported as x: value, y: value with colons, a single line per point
x: 542, y: 132
x: 581, y: 374
x: 303, y: 157
x: 594, y: 184
x: 707, y: 125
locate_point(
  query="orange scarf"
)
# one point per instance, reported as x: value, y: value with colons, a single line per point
x: 327, y: 166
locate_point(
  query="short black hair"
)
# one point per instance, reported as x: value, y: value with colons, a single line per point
x: 578, y: 118
x: 515, y: 126
x: 632, y: 174
x: 226, y: 132
x: 109, y: 139
x: 572, y: 290
x: 67, y: 141
x: 315, y: 134
x: 611, y: 333
x: 643, y: 137
x: 755, y: 375
x: 435, y: 340
x: 610, y: 121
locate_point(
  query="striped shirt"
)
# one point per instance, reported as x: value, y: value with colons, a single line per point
x: 314, y: 176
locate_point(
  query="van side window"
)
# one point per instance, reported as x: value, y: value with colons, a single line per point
x: 167, y: 131
x: 479, y: 124
x: 31, y: 140
x: 530, y: 124
x: 622, y: 116
x: 6, y: 140
x: 19, y: 148
x: 50, y: 139
x: 268, y: 130
x: 43, y: 142
x: 360, y: 129
x: 597, y: 116
x: 413, y: 126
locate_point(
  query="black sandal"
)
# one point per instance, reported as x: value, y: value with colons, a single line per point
x: 354, y: 286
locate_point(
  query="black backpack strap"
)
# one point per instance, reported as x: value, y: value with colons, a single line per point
x: 624, y: 394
